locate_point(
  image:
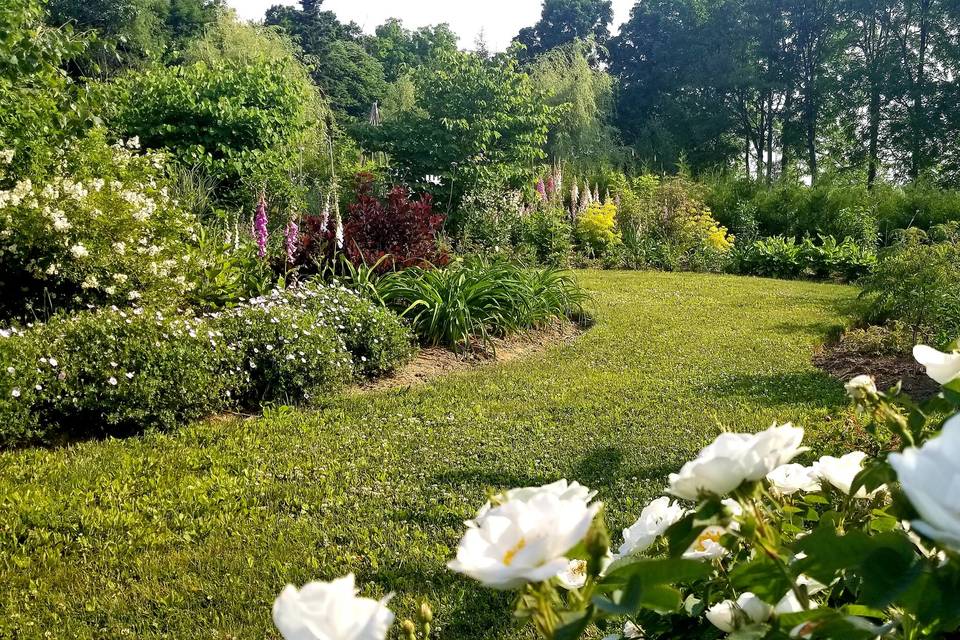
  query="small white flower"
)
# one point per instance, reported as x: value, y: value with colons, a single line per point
x: 942, y: 367
x: 53, y: 362
x: 655, y: 518
x: 6, y: 156
x: 930, y: 477
x: 79, y: 251
x: 840, y: 472
x: 112, y: 381
x: 861, y: 387
x: 729, y: 615
x: 788, y: 479
x: 15, y: 392
x: 330, y: 611
x: 574, y: 576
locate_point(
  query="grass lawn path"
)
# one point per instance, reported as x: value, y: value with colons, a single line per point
x: 191, y: 534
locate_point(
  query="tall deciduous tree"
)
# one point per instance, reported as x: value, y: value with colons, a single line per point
x: 563, y: 21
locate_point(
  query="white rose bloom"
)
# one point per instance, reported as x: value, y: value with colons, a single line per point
x: 788, y: 479
x: 734, y: 458
x: 942, y: 367
x: 930, y: 477
x: 860, y: 387
x: 707, y: 545
x: 655, y: 518
x: 561, y: 488
x: 524, y: 540
x: 790, y: 603
x: 729, y: 616
x: 632, y: 631
x: 330, y: 611
x: 840, y: 472
x: 574, y: 576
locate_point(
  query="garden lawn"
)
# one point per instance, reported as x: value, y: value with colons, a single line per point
x: 191, y: 534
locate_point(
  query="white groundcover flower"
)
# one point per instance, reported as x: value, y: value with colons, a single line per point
x: 561, y: 488
x: 734, y: 458
x: 930, y: 476
x: 942, y: 367
x: 788, y: 479
x: 655, y: 518
x: 841, y: 471
x: 524, y: 539
x: 729, y: 616
x: 574, y: 576
x: 330, y: 611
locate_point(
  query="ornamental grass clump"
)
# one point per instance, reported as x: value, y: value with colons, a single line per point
x: 758, y: 545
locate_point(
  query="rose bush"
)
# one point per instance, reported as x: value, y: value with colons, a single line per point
x: 854, y: 546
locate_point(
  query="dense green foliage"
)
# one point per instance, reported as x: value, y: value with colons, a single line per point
x: 916, y: 284
x: 143, y: 534
x: 115, y: 371
x: 779, y: 257
x: 564, y: 21
x: 474, y: 122
x: 475, y: 300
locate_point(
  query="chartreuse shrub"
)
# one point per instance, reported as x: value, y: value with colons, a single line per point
x: 103, y: 230
x: 596, y: 228
x: 116, y: 370
x: 746, y: 542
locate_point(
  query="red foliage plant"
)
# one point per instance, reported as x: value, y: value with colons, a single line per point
x: 400, y: 228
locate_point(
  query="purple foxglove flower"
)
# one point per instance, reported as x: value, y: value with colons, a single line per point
x: 585, y: 197
x: 291, y: 237
x: 260, y: 227
x: 541, y: 189
x: 325, y: 218
x: 551, y: 186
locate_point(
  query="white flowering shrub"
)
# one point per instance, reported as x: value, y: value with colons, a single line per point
x: 101, y: 229
x: 748, y: 543
x: 115, y: 370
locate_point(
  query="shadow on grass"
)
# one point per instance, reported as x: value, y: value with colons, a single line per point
x: 814, y: 388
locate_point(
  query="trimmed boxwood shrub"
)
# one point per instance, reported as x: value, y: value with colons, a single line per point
x: 115, y: 371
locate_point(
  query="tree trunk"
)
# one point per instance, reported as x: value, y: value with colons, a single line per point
x: 873, y: 133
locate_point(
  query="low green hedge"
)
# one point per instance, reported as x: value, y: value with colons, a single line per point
x: 117, y: 371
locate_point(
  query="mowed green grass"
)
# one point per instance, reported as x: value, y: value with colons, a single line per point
x: 191, y: 534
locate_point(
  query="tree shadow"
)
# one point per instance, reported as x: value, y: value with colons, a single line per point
x: 814, y: 388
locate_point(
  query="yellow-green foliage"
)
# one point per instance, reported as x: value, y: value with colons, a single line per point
x: 596, y: 227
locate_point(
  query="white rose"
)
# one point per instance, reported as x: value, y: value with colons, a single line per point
x: 574, y: 576
x: 942, y: 367
x: 788, y: 479
x: 930, y: 477
x: 524, y: 540
x: 729, y: 616
x: 330, y: 611
x: 707, y: 545
x: 840, y: 472
x: 655, y: 518
x: 734, y: 458
x: 861, y: 387
x: 561, y: 488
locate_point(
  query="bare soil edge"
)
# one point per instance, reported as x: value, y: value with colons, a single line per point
x: 887, y: 369
x: 431, y: 363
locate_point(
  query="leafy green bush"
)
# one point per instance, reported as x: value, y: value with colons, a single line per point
x: 917, y: 284
x: 115, y: 371
x: 105, y: 230
x: 779, y: 257
x: 596, y: 228
x: 477, y: 299
x: 111, y: 371
x: 546, y: 236
x: 488, y: 221
x: 243, y: 119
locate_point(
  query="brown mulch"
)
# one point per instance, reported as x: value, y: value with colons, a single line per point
x: 887, y: 369
x: 433, y: 362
